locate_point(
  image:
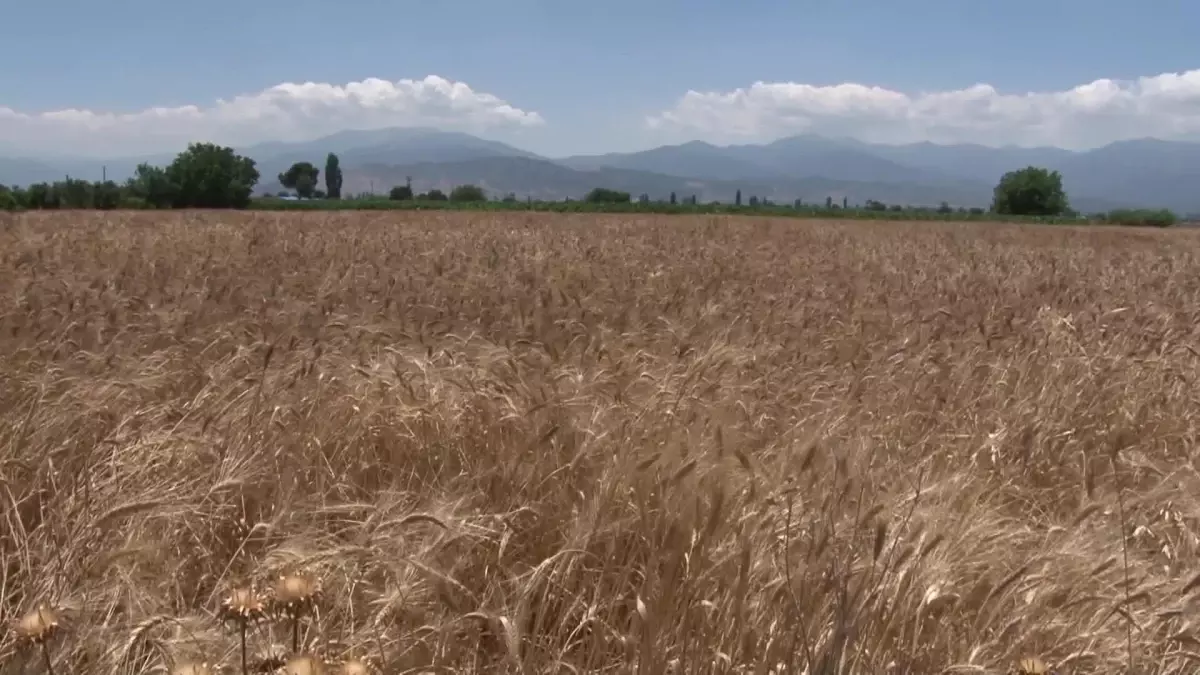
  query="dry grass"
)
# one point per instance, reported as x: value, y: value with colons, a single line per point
x: 597, y: 444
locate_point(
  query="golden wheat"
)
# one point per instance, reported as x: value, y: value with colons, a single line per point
x: 534, y: 443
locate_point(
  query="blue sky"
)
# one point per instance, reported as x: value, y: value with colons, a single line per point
x: 562, y: 77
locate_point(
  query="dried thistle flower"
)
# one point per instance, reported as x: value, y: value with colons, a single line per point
x: 295, y: 594
x: 304, y: 665
x: 192, y: 668
x: 354, y: 667
x: 243, y: 605
x: 294, y: 598
x: 270, y: 659
x: 38, y: 626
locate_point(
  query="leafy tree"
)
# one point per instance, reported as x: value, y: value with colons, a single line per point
x: 152, y: 186
x: 468, y: 193
x: 1141, y: 217
x: 945, y: 208
x: 434, y: 195
x: 210, y: 176
x: 42, y: 196
x: 875, y: 205
x: 333, y: 177
x: 301, y: 177
x: 8, y: 200
x: 74, y: 193
x: 674, y: 200
x: 829, y: 202
x: 753, y: 202
x: 106, y: 195
x: 737, y: 198
x: 401, y: 193
x: 1031, y: 191
x: 607, y: 196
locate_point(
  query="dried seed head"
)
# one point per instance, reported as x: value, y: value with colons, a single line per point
x: 295, y: 594
x: 243, y: 605
x: 303, y: 665
x: 354, y: 667
x: 38, y: 626
x: 192, y: 668
x: 1032, y: 666
x: 269, y: 659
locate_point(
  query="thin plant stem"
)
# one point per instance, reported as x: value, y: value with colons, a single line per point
x: 46, y: 657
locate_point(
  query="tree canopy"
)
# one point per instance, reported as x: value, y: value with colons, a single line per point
x: 607, y: 196
x: 468, y: 193
x: 333, y: 177
x: 301, y: 177
x: 1031, y: 191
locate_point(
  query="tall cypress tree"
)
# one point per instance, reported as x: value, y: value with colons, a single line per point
x: 333, y: 177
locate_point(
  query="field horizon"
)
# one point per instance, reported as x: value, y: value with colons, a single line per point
x: 524, y: 442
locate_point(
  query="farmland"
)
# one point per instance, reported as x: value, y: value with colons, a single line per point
x: 518, y: 442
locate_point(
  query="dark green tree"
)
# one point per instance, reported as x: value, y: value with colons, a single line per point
x: 1031, y: 191
x: 42, y: 196
x: 607, y: 196
x: 301, y: 177
x: 829, y: 202
x: 150, y: 186
x: 401, y: 193
x: 737, y: 198
x: 106, y: 195
x: 674, y: 199
x: 209, y: 176
x: 434, y: 195
x: 468, y: 193
x: 333, y: 177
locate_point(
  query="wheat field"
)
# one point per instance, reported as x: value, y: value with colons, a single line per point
x: 520, y: 443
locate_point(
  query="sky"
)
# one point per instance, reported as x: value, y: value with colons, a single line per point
x: 561, y: 77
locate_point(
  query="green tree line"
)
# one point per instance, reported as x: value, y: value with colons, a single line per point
x: 211, y: 176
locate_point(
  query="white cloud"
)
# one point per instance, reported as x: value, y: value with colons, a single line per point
x: 284, y: 112
x: 1089, y: 115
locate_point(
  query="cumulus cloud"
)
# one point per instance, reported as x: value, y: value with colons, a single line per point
x: 284, y: 112
x: 1089, y: 115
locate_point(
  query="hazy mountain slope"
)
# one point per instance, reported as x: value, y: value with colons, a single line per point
x: 1147, y: 172
x: 383, y: 146
x: 1132, y: 173
x: 696, y: 159
x: 968, y: 161
x: 543, y: 179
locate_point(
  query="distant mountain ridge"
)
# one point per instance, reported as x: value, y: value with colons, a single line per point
x: 1137, y: 173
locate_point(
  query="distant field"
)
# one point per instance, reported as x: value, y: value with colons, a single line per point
x: 579, y: 443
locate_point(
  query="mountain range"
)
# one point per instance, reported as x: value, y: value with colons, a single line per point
x: 1136, y: 173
